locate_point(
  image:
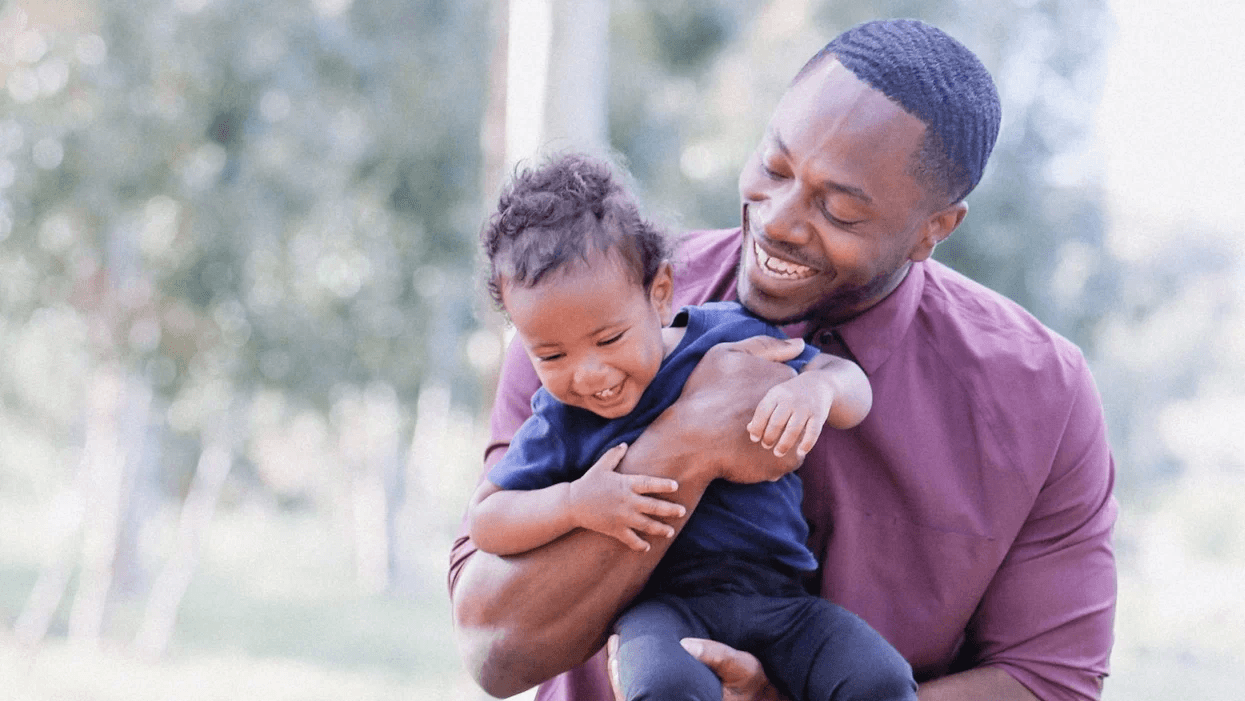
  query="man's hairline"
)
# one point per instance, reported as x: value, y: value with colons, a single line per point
x: 933, y: 200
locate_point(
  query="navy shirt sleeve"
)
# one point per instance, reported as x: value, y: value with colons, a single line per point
x: 537, y: 456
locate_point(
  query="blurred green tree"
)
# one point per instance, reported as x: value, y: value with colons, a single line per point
x: 217, y: 200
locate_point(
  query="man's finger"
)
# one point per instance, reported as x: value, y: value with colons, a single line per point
x: 770, y: 348
x: 738, y: 670
x: 611, y: 665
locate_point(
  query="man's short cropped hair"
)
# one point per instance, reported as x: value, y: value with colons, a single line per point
x: 937, y: 80
x: 555, y: 214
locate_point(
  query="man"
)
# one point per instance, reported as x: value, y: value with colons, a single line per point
x: 967, y: 519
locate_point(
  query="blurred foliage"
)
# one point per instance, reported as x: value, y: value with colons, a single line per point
x: 229, y: 197
x: 255, y: 189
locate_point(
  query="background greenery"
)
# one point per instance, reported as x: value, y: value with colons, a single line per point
x: 245, y: 365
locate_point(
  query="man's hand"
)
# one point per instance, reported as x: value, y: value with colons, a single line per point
x: 742, y: 677
x: 720, y: 398
x: 777, y: 350
x: 615, y: 504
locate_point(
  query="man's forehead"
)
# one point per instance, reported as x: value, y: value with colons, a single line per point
x: 832, y: 89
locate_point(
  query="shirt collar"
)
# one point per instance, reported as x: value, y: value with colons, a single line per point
x: 870, y: 337
x: 877, y: 332
x: 873, y: 335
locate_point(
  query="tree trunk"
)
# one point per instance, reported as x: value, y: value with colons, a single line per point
x: 557, y: 77
x: 117, y: 427
x: 65, y: 526
x: 160, y: 617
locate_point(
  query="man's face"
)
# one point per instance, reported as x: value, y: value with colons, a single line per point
x: 831, y: 214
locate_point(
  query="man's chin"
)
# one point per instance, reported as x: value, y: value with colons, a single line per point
x: 778, y: 312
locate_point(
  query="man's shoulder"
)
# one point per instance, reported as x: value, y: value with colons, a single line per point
x: 1023, y: 382
x: 954, y: 299
x: 704, y: 265
x: 979, y: 331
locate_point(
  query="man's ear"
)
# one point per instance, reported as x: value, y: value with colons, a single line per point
x: 661, y: 293
x: 936, y: 229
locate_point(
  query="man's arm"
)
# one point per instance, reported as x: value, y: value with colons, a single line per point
x: 523, y: 619
x: 1047, y: 616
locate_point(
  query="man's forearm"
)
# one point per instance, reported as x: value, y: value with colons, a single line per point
x: 525, y: 618
x: 980, y: 684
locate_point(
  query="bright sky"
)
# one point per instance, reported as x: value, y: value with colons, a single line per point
x: 1172, y: 121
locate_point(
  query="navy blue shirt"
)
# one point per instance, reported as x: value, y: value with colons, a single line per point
x: 558, y: 443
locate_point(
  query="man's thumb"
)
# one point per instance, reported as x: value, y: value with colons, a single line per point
x: 776, y: 349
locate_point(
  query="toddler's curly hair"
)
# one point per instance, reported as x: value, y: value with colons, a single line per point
x: 555, y: 214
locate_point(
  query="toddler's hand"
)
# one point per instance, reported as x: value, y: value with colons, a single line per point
x: 792, y: 414
x: 614, y: 504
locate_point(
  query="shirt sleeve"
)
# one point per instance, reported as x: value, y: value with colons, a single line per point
x: 512, y: 405
x: 536, y: 457
x: 1047, y: 616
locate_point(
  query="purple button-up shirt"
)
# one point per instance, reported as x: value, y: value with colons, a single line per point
x: 968, y: 518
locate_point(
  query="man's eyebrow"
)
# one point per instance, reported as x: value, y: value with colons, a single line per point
x: 835, y: 186
x: 777, y: 139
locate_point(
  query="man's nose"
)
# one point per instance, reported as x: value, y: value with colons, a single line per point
x: 783, y: 216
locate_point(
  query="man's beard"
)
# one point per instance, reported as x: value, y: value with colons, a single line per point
x: 837, y: 306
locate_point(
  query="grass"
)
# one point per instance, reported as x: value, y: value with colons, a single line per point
x: 271, y: 614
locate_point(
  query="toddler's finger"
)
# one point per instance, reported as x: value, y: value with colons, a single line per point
x: 662, y: 508
x: 790, y: 435
x: 761, y: 418
x: 610, y: 459
x: 811, y: 433
x: 633, y: 541
x: 644, y: 484
x: 777, y: 424
x: 654, y: 527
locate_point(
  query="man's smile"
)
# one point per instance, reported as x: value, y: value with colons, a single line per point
x: 774, y: 266
x: 771, y: 265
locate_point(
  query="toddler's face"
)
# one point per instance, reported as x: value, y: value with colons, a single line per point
x: 592, y: 332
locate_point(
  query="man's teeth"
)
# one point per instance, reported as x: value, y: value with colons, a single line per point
x: 606, y: 393
x: 779, y: 267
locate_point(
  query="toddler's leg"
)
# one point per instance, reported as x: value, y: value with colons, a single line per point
x: 824, y: 652
x: 652, y: 664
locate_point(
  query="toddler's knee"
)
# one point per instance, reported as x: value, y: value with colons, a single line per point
x: 887, y: 680
x: 674, y: 687
x: 673, y: 692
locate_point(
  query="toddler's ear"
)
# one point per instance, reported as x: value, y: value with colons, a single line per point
x: 661, y: 293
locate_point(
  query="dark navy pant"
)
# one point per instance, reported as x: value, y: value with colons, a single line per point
x: 812, y: 650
